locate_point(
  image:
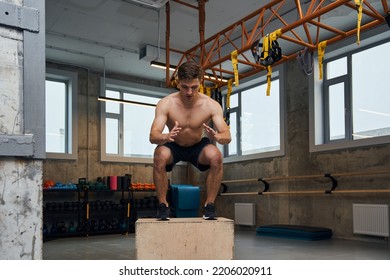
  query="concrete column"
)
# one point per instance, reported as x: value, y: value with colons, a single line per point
x: 20, y: 177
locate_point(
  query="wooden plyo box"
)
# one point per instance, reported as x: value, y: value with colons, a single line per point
x: 184, y: 239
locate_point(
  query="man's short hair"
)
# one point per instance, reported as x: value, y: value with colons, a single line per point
x: 189, y: 70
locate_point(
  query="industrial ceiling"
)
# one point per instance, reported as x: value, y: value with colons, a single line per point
x: 124, y: 36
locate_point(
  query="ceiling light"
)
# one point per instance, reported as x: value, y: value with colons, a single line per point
x: 152, y: 3
x: 211, y: 77
x: 123, y: 101
x: 162, y: 65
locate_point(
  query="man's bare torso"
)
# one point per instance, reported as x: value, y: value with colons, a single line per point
x: 190, y: 114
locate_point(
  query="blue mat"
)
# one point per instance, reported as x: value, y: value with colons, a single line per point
x: 295, y: 232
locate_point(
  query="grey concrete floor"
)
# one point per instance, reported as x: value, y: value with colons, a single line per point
x: 247, y: 246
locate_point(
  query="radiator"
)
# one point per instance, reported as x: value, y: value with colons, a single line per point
x: 244, y: 214
x: 371, y: 219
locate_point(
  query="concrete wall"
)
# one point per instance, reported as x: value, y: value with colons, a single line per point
x: 88, y: 163
x: 333, y: 211
x: 20, y: 178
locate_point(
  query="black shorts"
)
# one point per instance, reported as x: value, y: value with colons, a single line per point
x: 189, y: 154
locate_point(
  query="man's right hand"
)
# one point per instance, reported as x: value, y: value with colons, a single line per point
x: 174, y: 132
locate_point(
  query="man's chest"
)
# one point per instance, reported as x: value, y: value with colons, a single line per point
x: 193, y: 118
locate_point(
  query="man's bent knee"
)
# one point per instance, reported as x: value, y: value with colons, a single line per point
x: 161, y: 158
x: 216, y: 160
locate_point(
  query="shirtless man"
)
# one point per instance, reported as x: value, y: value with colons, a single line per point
x: 187, y: 113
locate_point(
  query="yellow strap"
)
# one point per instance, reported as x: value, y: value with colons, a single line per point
x: 174, y: 83
x: 267, y: 41
x: 229, y: 92
x: 201, y: 89
x: 208, y: 91
x: 233, y: 56
x: 275, y: 35
x: 265, y: 46
x: 321, y: 53
x: 359, y: 8
x: 269, y: 74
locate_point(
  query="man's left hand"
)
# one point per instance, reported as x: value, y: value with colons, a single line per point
x: 211, y: 133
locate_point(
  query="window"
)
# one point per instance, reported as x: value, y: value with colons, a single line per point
x: 350, y: 106
x: 370, y: 99
x: 260, y: 119
x: 256, y: 120
x: 61, y: 114
x: 125, y: 126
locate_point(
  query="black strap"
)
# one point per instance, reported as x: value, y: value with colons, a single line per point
x: 305, y: 60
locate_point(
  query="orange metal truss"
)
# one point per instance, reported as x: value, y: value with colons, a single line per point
x: 212, y: 52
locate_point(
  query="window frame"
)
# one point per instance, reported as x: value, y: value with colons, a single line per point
x: 347, y: 106
x: 245, y: 84
x: 71, y: 80
x: 129, y: 87
x: 317, y: 121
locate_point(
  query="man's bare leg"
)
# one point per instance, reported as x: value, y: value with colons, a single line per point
x: 160, y: 179
x: 162, y: 156
x: 213, y: 181
x: 212, y: 156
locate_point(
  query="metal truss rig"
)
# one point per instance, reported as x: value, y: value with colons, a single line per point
x: 308, y: 28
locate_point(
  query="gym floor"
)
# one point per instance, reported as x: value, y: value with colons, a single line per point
x: 247, y: 246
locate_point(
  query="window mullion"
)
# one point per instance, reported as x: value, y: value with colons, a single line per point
x: 348, y: 111
x: 325, y: 101
x: 348, y: 101
x: 239, y: 126
x: 328, y: 111
x: 68, y: 118
x: 121, y: 127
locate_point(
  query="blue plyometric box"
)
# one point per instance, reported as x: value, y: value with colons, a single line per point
x: 185, y: 200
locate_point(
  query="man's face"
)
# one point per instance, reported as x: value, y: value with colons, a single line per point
x: 189, y: 88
